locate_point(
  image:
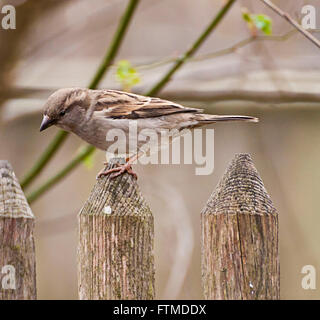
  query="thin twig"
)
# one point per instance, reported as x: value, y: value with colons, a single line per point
x: 294, y: 23
x: 42, y: 93
x: 45, y: 157
x: 62, y: 173
x: 192, y: 50
x: 115, y: 44
x: 260, y: 96
x: 238, y: 45
x: 104, y: 66
x: 243, y: 43
x: 158, y: 86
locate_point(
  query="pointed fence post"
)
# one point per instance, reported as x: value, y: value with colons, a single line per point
x: 17, y: 251
x: 240, y: 257
x: 116, y: 232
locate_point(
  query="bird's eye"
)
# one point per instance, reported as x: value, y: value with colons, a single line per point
x: 62, y: 113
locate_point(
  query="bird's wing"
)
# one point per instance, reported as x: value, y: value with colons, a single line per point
x: 122, y: 105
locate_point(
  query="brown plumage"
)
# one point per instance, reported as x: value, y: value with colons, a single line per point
x: 90, y: 114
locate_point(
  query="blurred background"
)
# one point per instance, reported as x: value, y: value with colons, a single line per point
x: 61, y: 43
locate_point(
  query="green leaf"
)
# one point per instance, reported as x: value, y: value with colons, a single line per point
x: 262, y: 22
x: 257, y: 22
x: 127, y: 75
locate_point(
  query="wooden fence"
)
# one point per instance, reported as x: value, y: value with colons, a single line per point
x: 17, y: 252
x: 239, y: 240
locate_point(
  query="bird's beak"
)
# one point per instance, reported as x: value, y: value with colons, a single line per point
x: 46, y: 123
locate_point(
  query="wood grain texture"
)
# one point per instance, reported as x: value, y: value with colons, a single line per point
x: 116, y: 232
x: 16, y: 239
x: 240, y: 258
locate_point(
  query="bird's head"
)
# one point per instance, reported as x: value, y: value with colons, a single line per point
x: 65, y: 108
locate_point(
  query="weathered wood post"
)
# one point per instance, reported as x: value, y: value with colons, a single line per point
x: 17, y: 251
x: 240, y: 258
x: 116, y: 231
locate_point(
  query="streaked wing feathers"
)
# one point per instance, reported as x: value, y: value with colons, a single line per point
x: 122, y: 105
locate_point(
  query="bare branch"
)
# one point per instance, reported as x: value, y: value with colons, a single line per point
x: 294, y: 23
x: 245, y: 95
x: 219, y: 53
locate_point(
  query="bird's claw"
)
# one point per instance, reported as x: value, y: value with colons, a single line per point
x: 120, y: 169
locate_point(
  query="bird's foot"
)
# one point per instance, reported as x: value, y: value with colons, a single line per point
x: 115, y: 172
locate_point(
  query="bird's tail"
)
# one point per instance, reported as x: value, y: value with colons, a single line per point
x: 209, y: 118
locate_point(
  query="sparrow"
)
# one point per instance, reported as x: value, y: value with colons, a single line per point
x: 90, y: 114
